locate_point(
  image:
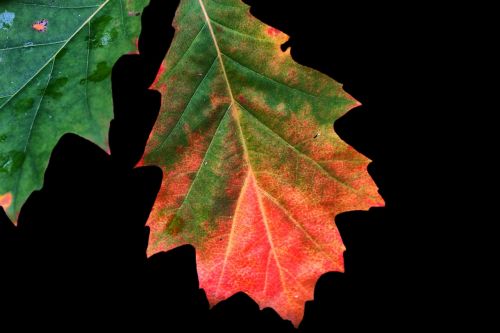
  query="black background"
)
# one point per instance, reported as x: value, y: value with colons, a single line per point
x: 69, y: 262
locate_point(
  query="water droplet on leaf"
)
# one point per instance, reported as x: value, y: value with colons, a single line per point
x: 6, y: 20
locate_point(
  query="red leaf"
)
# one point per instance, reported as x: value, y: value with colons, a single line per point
x: 254, y: 173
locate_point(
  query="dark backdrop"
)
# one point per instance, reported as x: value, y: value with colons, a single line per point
x: 377, y: 52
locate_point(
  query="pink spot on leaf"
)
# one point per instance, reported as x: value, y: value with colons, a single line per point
x: 273, y: 32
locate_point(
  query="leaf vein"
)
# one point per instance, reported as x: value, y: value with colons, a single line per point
x: 31, y: 45
x: 171, y: 71
x: 271, y: 79
x: 28, y: 139
x: 241, y: 33
x: 319, y: 166
x: 203, y: 161
x: 296, y: 223
x: 122, y: 16
x: 231, y: 233
x: 216, y: 44
x: 267, y: 270
x: 87, y: 103
x: 58, y: 7
x: 99, y: 8
x: 186, y: 107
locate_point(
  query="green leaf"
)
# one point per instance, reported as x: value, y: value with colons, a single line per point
x: 254, y: 172
x: 56, y: 81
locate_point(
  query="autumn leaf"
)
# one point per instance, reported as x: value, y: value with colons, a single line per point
x: 254, y: 172
x: 55, y: 62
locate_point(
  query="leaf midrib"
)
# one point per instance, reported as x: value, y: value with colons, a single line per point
x: 216, y: 44
x: 245, y: 153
